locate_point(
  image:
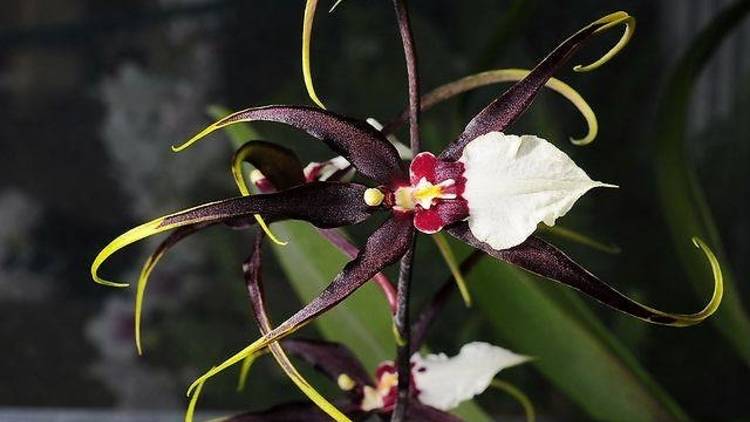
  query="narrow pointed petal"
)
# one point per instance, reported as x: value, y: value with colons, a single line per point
x: 278, y: 164
x: 384, y: 247
x: 543, y: 259
x: 339, y: 240
x: 444, y: 382
x: 363, y: 146
x: 472, y: 82
x: 513, y: 183
x: 505, y: 110
x: 324, y: 204
x: 252, y: 270
x: 307, y: 27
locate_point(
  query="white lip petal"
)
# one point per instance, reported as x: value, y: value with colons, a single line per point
x: 444, y: 382
x: 515, y: 182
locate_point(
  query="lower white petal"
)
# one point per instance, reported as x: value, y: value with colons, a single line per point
x: 515, y: 182
x: 444, y: 382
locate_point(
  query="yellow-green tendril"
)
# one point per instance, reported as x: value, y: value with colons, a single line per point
x: 131, y: 236
x: 247, y: 363
x: 450, y: 259
x: 304, y: 386
x: 253, y: 348
x: 307, y: 25
x: 135, y: 234
x: 239, y: 179
x: 193, y: 402
x: 686, y: 320
x: 609, y: 21
x: 517, y: 394
x: 577, y: 237
x: 140, y: 293
x: 511, y: 75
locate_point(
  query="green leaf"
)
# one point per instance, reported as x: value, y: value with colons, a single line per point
x: 571, y: 348
x: 685, y: 209
x: 363, y: 321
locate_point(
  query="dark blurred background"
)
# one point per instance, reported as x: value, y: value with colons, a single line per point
x: 92, y: 95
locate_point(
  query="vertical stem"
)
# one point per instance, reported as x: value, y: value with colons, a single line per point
x: 404, y: 279
x: 403, y: 363
x: 404, y: 27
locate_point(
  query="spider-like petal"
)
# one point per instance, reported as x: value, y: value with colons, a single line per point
x: 515, y: 182
x: 324, y: 204
x: 444, y: 382
x: 366, y: 148
x: 506, y: 109
x: 543, y: 259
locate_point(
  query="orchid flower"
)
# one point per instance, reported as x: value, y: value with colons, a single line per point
x: 439, y: 383
x: 488, y: 188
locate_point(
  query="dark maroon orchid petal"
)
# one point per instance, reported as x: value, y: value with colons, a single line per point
x: 324, y: 204
x: 339, y: 240
x: 252, y: 270
x: 366, y: 148
x: 506, y: 109
x: 384, y: 247
x: 296, y: 411
x: 426, y: 317
x: 332, y: 359
x: 540, y: 258
x: 418, y: 412
x: 278, y: 164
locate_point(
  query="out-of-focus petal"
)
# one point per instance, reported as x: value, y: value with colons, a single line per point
x: 515, y: 182
x: 444, y: 382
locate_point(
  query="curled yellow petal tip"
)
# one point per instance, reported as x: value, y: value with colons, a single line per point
x: 239, y: 180
x: 307, y: 25
x: 686, y: 320
x: 713, y: 304
x: 607, y: 22
x: 511, y: 75
x: 131, y: 236
x: 202, y: 134
x: 143, y: 278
